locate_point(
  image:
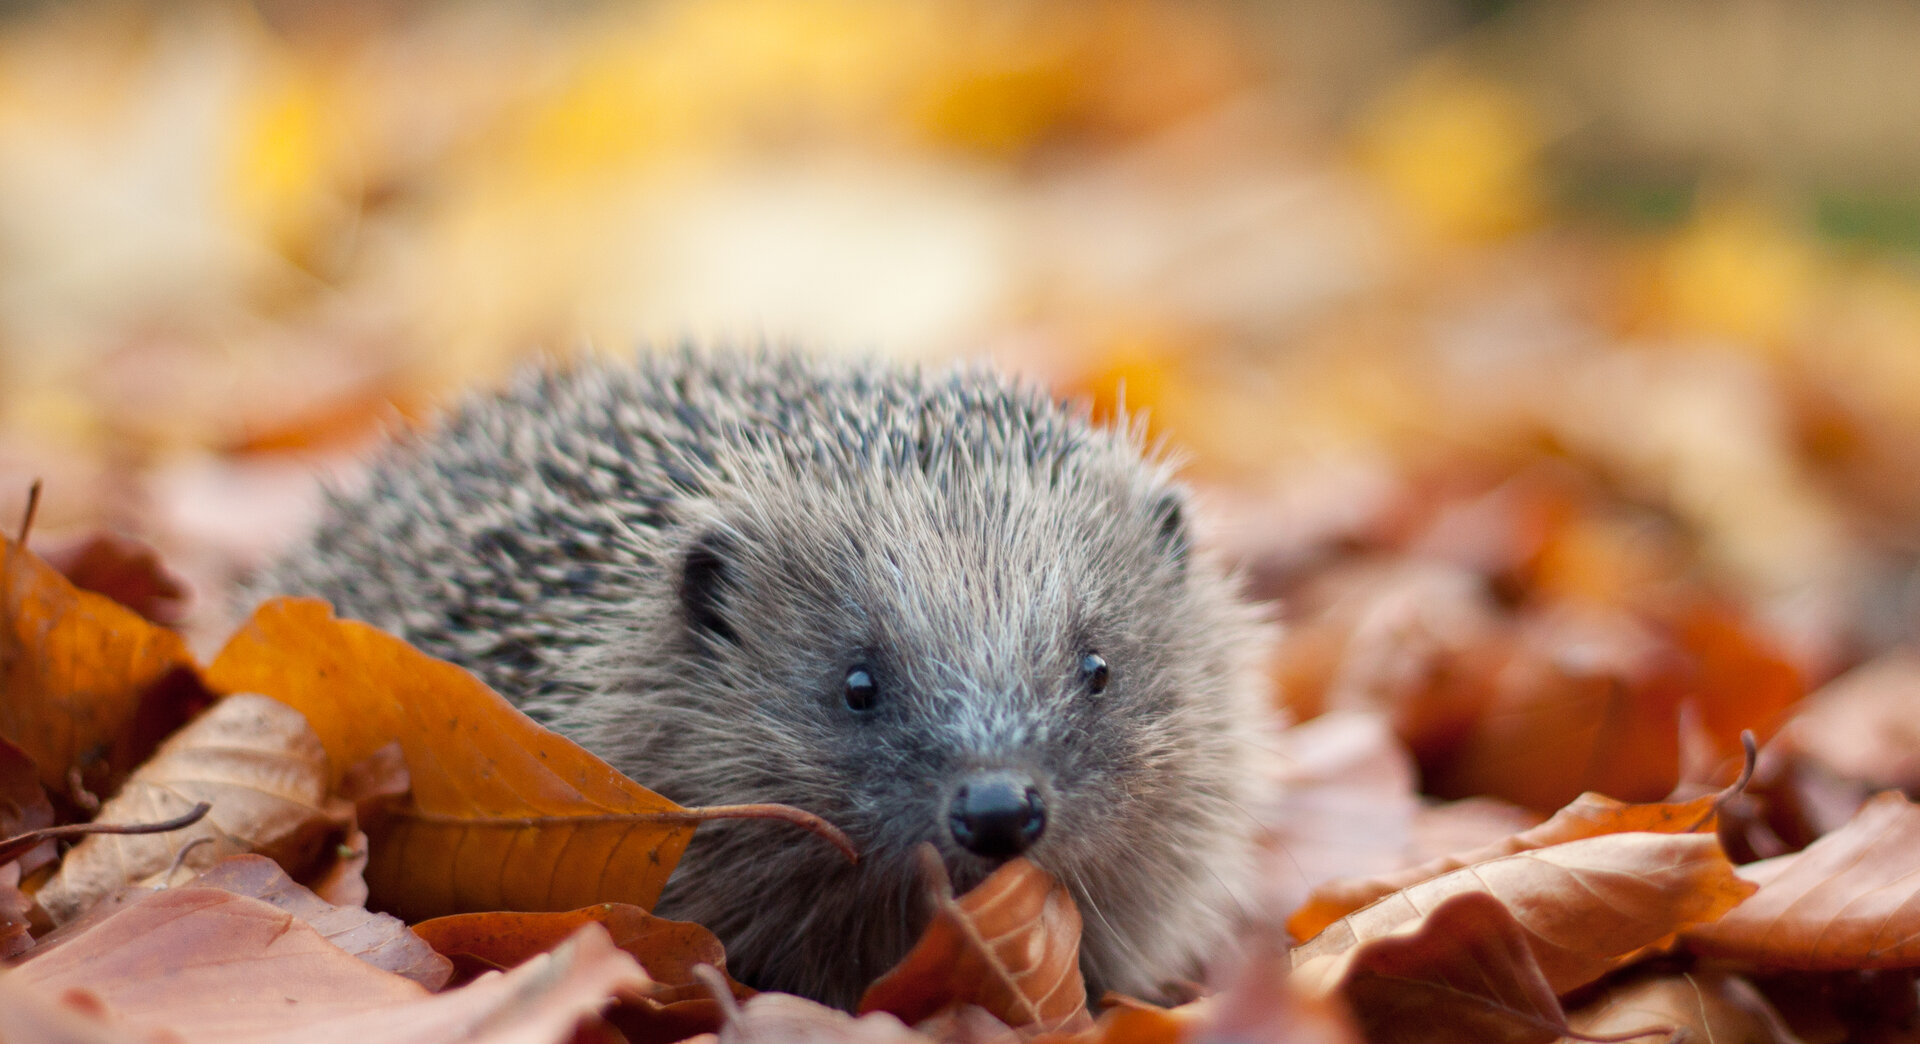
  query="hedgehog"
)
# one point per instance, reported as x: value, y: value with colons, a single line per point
x: 930, y: 606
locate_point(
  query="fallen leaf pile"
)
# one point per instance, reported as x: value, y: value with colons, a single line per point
x: 1549, y: 367
x: 330, y: 751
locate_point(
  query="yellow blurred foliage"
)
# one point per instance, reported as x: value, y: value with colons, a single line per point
x: 290, y: 156
x: 1457, y: 150
x: 1738, y: 271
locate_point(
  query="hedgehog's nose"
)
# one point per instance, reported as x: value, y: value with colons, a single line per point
x: 997, y: 816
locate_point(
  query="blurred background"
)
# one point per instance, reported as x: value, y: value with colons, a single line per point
x: 1556, y: 366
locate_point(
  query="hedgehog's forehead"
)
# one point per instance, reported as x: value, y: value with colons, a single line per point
x: 970, y: 534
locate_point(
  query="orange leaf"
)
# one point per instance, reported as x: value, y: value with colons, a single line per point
x: 15, y: 915
x: 1586, y: 906
x: 85, y: 682
x: 1590, y: 815
x: 1585, y: 699
x: 675, y: 1005
x: 668, y: 950
x: 1011, y: 946
x: 1848, y: 901
x: 503, y: 814
x: 1463, y: 971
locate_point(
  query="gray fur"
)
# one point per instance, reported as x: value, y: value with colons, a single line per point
x: 962, y: 533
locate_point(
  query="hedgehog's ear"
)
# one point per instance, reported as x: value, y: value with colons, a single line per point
x: 706, y: 575
x: 1170, y: 533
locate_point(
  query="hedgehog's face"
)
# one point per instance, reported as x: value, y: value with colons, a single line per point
x: 1017, y: 668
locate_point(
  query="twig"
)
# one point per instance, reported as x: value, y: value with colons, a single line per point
x: 13, y: 846
x: 33, y: 508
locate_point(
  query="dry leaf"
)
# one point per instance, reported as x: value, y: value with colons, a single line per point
x: 258, y: 764
x: 127, y: 571
x: 1864, y: 725
x: 668, y: 950
x: 1701, y: 1005
x: 85, y: 683
x: 1586, y: 906
x: 376, y: 938
x: 371, y: 787
x: 676, y: 1003
x: 23, y: 807
x: 1584, y: 699
x: 1589, y: 815
x: 503, y: 814
x: 1011, y: 946
x: 781, y: 1018
x: 1343, y: 807
x: 1850, y: 900
x: 210, y: 964
x: 1464, y: 971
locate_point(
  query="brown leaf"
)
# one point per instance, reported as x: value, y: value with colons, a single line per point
x: 1848, y: 901
x: 127, y: 571
x: 1590, y: 815
x: 259, y: 765
x: 85, y: 683
x: 206, y: 962
x: 1586, y: 906
x: 1578, y: 700
x: 550, y: 998
x: 1740, y: 679
x: 252, y: 964
x: 675, y: 1005
x: 1864, y: 725
x: 23, y: 807
x: 1463, y: 971
x: 1011, y: 946
x: 1702, y: 1005
x: 381, y: 940
x: 371, y: 787
x: 503, y: 813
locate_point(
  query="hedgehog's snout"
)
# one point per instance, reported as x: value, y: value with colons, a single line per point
x: 997, y: 815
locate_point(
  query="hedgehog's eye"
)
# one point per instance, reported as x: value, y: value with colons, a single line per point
x: 1093, y: 673
x: 862, y: 691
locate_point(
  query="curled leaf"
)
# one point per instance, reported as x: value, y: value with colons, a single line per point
x: 85, y: 683
x: 1011, y: 946
x: 1586, y: 906
x: 1589, y: 815
x: 1464, y: 971
x: 1850, y: 900
x: 503, y: 814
